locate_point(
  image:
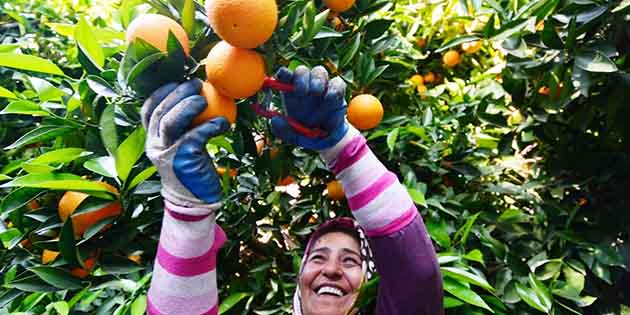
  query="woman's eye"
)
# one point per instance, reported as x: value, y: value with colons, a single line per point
x: 351, y: 261
x: 317, y: 258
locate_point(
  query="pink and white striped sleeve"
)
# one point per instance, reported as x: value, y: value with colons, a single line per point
x: 379, y: 202
x: 184, y: 274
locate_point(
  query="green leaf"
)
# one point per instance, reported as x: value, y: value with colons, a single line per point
x: 541, y: 291
x: 594, y: 61
x: 97, y: 226
x: 351, y: 52
x: 61, y: 181
x: 392, y: 137
x: 475, y: 255
x: 61, y: 307
x: 465, y: 276
x: 457, y: 41
x: 439, y: 232
x: 107, y: 124
x: 84, y: 36
x: 57, y: 277
x: 100, y: 86
x: 450, y: 302
x: 65, y: 155
x: 4, y: 93
x: 574, y: 278
x: 139, y: 305
x: 103, y: 165
x: 514, y: 28
x: 530, y: 297
x: 188, y: 16
x: 129, y: 152
x: 318, y: 23
x: 118, y: 265
x: 18, y: 198
x: 376, y: 28
x: 624, y: 4
x: 29, y: 63
x: 465, y: 294
x: 67, y: 244
x: 232, y: 300
x: 24, y: 107
x: 40, y: 134
x: 31, y: 284
x: 142, y: 176
x: 463, y: 232
x: 417, y: 196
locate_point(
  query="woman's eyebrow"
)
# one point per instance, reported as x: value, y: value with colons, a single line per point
x: 320, y: 249
x: 351, y: 251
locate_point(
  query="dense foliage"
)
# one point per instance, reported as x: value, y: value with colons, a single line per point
x: 517, y: 155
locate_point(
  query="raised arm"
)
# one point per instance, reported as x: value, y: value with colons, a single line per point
x: 184, y: 272
x: 405, y: 257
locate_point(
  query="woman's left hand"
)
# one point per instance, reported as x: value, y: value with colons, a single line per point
x: 315, y: 102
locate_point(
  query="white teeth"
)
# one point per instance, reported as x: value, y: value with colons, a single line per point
x: 329, y: 290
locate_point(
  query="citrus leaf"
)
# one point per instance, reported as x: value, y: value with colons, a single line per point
x: 100, y: 86
x: 29, y: 63
x: 66, y: 244
x: 31, y: 284
x: 40, y: 134
x: 107, y: 124
x: 456, y: 42
x: 103, y: 165
x: 465, y: 276
x: 129, y: 152
x: 4, y: 93
x: 64, y: 155
x: 594, y: 61
x: 142, y: 176
x: 465, y: 294
x: 139, y: 305
x: 57, y: 277
x: 84, y: 36
x: 24, y: 107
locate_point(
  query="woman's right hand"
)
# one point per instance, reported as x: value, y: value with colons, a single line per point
x: 189, y: 178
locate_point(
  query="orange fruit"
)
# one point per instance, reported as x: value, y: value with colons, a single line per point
x: 218, y: 105
x: 339, y: 5
x: 33, y: 204
x: 451, y: 58
x: 288, y: 180
x: 135, y: 258
x: 26, y: 244
x: 81, y: 272
x: 243, y: 23
x: 416, y: 79
x: 273, y: 152
x: 49, y: 256
x: 235, y: 72
x: 544, y: 90
x: 335, y: 190
x: 365, y: 111
x: 429, y: 77
x: 421, y: 42
x: 71, y: 200
x: 154, y: 28
x: 471, y: 47
x: 422, y: 90
x: 221, y: 171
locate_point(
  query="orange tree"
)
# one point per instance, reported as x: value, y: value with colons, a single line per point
x: 504, y: 119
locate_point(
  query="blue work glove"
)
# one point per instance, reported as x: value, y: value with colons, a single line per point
x: 179, y: 153
x: 315, y: 102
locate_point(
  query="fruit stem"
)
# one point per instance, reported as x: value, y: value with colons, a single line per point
x: 296, y: 125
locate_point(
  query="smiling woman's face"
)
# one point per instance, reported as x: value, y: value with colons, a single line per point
x: 331, y: 276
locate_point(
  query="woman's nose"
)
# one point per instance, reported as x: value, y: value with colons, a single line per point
x: 332, y: 269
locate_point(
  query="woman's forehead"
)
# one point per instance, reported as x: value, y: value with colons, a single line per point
x: 336, y: 241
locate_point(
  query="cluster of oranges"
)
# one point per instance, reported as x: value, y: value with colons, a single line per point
x: 233, y: 69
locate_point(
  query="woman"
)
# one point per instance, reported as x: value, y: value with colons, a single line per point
x: 338, y: 259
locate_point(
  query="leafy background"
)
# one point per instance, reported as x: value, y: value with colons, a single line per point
x: 518, y: 157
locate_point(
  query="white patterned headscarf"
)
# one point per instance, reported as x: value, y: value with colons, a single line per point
x: 367, y: 259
